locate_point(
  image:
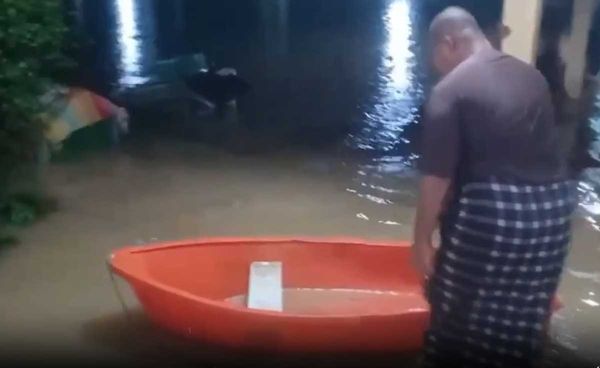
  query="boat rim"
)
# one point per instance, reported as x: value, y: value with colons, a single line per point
x: 153, y: 282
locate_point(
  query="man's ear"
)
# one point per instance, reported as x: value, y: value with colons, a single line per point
x: 450, y: 43
x: 505, y: 31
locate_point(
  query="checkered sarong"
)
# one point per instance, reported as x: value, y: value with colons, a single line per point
x: 502, y: 253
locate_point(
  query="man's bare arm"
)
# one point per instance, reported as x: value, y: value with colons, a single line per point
x: 434, y: 192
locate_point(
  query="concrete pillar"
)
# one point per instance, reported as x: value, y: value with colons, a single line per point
x: 523, y: 17
x: 574, y: 46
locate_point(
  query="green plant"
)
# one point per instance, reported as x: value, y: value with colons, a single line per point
x: 23, y: 209
x: 31, y: 43
x: 7, y: 241
x: 32, y: 34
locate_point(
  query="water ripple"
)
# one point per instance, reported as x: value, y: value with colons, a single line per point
x: 394, y: 105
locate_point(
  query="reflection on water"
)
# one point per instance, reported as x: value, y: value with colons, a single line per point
x: 589, y: 188
x: 127, y: 23
x: 589, y: 199
x: 394, y: 103
x: 135, y: 44
x: 592, y: 276
x: 595, y: 124
x: 399, y: 26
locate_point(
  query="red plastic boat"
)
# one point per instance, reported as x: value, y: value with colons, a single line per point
x: 339, y: 296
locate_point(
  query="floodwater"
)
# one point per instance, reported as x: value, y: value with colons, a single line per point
x: 318, y: 149
x: 58, y: 296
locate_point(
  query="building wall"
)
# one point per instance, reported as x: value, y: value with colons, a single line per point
x: 524, y: 19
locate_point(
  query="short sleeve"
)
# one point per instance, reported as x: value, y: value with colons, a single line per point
x: 441, y: 135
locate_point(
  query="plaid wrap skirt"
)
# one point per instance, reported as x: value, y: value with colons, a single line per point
x: 503, y: 247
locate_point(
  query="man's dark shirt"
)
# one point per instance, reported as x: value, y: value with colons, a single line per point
x: 492, y: 116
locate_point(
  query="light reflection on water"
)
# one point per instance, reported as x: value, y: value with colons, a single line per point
x: 394, y: 103
x: 399, y: 26
x: 591, y: 276
x: 127, y: 23
x: 132, y: 49
x: 385, y: 181
x: 589, y: 188
x: 589, y: 199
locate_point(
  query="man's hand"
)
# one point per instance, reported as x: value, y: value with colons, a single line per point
x: 423, y: 257
x: 434, y: 192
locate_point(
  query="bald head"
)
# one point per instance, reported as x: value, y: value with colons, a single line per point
x: 454, y: 36
x: 454, y: 22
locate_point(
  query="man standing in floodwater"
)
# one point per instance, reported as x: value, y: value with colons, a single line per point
x: 496, y: 183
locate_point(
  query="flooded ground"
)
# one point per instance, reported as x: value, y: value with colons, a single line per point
x: 58, y: 297
x: 334, y: 88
